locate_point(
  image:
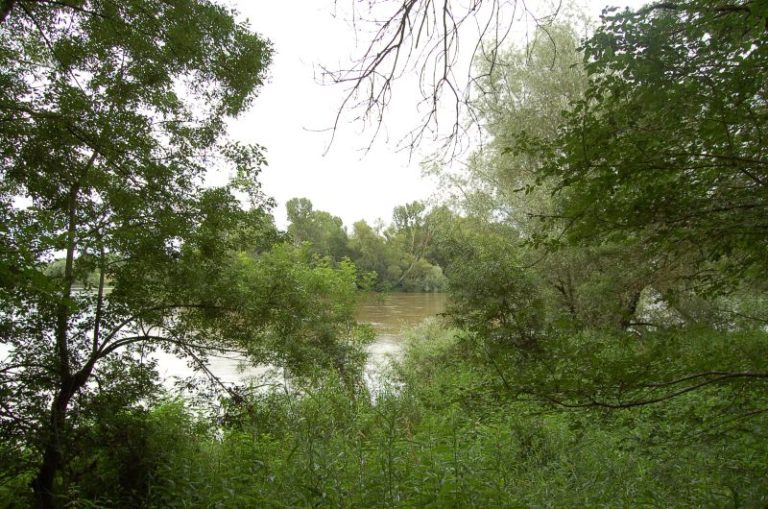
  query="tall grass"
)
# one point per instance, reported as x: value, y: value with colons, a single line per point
x: 450, y: 433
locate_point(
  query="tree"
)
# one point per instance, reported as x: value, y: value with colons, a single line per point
x: 370, y: 252
x: 668, y: 141
x: 324, y: 232
x: 410, y: 231
x: 654, y: 174
x: 523, y: 95
x: 526, y: 92
x: 493, y: 295
x: 110, y: 115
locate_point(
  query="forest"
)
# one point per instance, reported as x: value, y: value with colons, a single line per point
x: 604, y: 251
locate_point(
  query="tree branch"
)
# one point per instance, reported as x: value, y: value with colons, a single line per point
x: 423, y: 36
x: 721, y: 376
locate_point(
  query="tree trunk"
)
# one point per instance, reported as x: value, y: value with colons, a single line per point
x: 629, y: 311
x: 69, y: 384
x: 46, y: 475
x: 52, y: 455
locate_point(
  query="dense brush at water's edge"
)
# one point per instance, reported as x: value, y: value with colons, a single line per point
x: 453, y: 430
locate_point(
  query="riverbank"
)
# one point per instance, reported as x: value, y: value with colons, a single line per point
x: 452, y: 435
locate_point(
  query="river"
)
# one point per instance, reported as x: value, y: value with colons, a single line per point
x: 392, y: 313
x: 389, y: 314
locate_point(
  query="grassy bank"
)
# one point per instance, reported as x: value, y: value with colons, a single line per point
x: 452, y: 432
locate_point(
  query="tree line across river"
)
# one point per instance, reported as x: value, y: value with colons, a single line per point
x: 402, y: 256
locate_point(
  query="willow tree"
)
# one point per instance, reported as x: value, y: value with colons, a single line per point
x: 110, y: 115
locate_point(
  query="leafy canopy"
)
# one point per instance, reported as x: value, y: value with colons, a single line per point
x: 669, y: 139
x: 111, y: 113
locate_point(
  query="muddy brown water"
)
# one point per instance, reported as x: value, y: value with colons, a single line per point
x: 390, y: 315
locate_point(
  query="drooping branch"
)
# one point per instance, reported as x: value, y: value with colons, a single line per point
x: 210, y: 374
x: 721, y: 374
x: 117, y: 329
x: 123, y: 342
x: 423, y: 38
x: 186, y: 346
x: 23, y: 365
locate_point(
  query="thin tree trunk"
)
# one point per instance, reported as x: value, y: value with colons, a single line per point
x: 52, y: 456
x: 99, y: 303
x: 69, y: 383
x: 43, y: 483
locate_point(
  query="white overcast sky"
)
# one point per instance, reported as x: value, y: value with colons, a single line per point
x: 293, y: 106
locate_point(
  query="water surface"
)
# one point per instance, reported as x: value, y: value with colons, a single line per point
x: 390, y: 315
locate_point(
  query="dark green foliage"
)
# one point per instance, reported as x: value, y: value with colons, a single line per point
x: 305, y: 321
x: 493, y: 293
x: 668, y: 140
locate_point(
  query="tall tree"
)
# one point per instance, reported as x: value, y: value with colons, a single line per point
x: 525, y: 94
x: 110, y: 115
x: 323, y: 231
x: 369, y: 251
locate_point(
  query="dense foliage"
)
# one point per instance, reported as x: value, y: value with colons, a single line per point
x: 668, y: 139
x: 605, y: 343
x: 453, y: 435
x: 405, y: 256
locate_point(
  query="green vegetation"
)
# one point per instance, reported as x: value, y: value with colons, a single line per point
x: 606, y: 341
x: 405, y: 256
x: 454, y: 434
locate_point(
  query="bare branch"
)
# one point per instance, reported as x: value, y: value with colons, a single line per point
x: 425, y: 36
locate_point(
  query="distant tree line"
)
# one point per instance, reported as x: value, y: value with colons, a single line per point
x: 406, y: 255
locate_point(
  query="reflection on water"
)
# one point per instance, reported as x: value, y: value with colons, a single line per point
x: 389, y: 314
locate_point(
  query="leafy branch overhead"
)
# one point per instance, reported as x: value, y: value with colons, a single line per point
x: 669, y: 137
